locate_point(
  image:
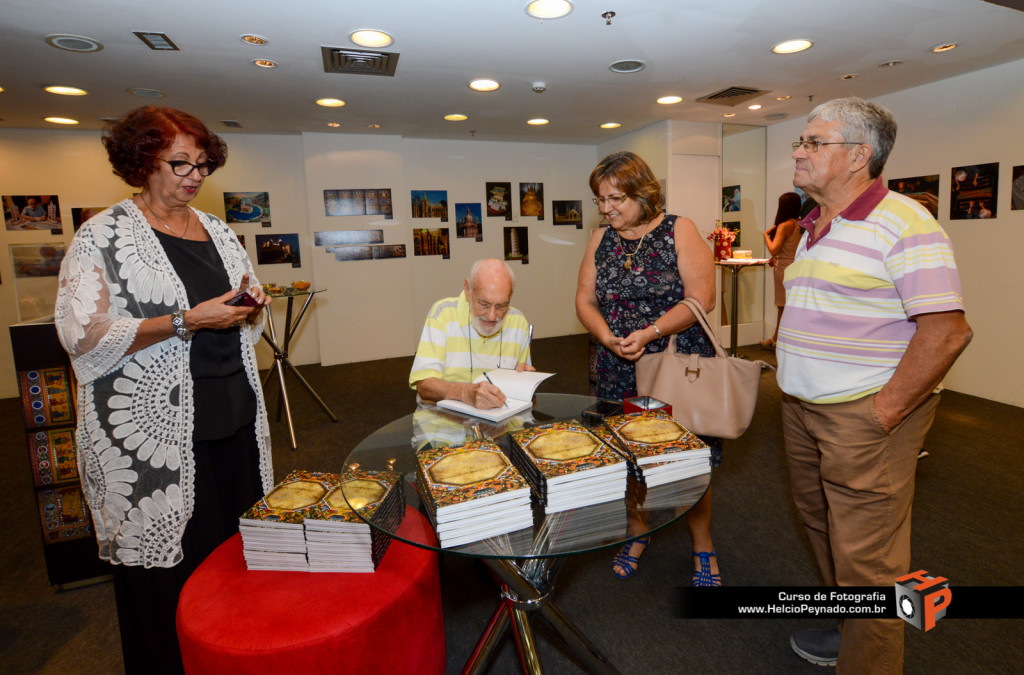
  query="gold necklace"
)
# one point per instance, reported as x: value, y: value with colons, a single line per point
x: 629, y: 256
x: 188, y: 220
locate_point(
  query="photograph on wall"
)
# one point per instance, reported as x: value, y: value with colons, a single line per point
x: 385, y: 251
x: 430, y: 204
x: 973, y: 191
x: 531, y: 200
x: 378, y: 202
x: 274, y: 249
x: 922, y: 189
x: 80, y: 214
x: 35, y: 278
x: 241, y: 239
x: 568, y: 212
x: 468, y: 223
x: 345, y: 253
x: 517, y: 244
x: 730, y: 199
x: 247, y: 207
x: 358, y: 202
x: 348, y: 237
x: 734, y: 227
x: 32, y: 212
x: 499, y: 200
x: 1017, y: 189
x: 431, y: 241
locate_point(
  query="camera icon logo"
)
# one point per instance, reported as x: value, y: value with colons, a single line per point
x: 921, y: 599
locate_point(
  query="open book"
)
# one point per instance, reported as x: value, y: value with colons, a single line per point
x: 518, y: 387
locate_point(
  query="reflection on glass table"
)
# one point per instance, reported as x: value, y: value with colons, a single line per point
x: 528, y: 560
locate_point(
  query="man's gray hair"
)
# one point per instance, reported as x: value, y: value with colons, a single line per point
x: 861, y: 122
x: 475, y: 269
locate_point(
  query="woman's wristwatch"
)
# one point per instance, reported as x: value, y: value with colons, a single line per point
x: 178, y: 322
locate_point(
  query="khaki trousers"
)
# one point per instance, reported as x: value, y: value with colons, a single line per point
x: 853, y: 485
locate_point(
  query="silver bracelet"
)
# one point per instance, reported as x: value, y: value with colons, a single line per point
x: 656, y: 330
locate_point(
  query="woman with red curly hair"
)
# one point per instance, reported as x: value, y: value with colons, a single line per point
x: 173, y: 441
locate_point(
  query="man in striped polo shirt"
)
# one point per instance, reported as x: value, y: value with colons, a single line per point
x: 467, y: 336
x: 874, y: 319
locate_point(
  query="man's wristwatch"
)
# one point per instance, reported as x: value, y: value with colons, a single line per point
x: 178, y: 322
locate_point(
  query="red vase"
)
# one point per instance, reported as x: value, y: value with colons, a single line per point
x: 723, y: 249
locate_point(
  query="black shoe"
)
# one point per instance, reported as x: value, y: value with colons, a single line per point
x: 820, y: 647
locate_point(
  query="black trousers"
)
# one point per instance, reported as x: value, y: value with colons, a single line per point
x: 227, y: 482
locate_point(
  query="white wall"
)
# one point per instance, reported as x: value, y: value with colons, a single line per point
x: 743, y: 165
x: 971, y: 119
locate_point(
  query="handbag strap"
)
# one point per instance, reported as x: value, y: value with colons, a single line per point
x: 702, y: 318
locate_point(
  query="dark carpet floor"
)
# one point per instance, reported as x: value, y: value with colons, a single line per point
x: 967, y: 527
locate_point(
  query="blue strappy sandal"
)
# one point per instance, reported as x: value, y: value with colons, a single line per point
x: 629, y: 563
x: 704, y: 577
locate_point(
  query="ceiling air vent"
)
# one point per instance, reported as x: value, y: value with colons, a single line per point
x: 157, y: 41
x: 358, y: 61
x: 731, y: 96
x: 234, y: 124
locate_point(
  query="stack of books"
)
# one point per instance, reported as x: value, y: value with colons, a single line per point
x: 273, y: 536
x: 472, y: 492
x: 568, y: 466
x: 659, y: 449
x: 339, y: 540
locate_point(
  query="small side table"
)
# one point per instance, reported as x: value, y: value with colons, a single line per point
x: 281, y: 356
x: 735, y: 265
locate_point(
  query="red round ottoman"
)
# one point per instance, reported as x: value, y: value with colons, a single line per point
x: 232, y: 620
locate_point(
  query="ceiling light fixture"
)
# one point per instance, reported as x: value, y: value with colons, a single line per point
x: 944, y: 47
x: 330, y: 102
x: 373, y: 126
x: 253, y: 39
x: 891, y: 64
x: 142, y: 92
x: 729, y: 115
x: 333, y: 124
x: 264, y: 63
x: 537, y: 121
x: 368, y: 37
x: 456, y: 117
x: 754, y: 106
x: 65, y: 91
x: 848, y: 76
x: 669, y: 100
x: 792, y: 46
x: 548, y: 9
x: 610, y: 125
x: 60, y: 120
x: 484, y: 85
x: 627, y: 66
x: 73, y: 43
x: 782, y: 98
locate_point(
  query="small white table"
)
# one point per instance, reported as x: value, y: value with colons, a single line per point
x: 735, y: 265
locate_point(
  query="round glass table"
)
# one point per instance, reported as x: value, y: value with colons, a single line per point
x: 527, y: 561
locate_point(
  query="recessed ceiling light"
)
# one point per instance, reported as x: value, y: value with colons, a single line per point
x: 1, y: 89
x: 368, y: 37
x: 848, y: 76
x: 548, y: 9
x: 944, y: 47
x: 61, y: 120
x: 333, y: 124
x: 264, y: 63
x: 891, y: 64
x: 754, y: 106
x: 729, y: 115
x: 146, y: 93
x: 330, y: 102
x: 253, y: 39
x: 74, y: 43
x: 610, y: 125
x: 627, y: 66
x: 669, y: 100
x: 484, y: 85
x: 373, y: 126
x: 456, y: 117
x: 792, y: 46
x: 782, y: 98
x: 537, y: 121
x: 65, y: 91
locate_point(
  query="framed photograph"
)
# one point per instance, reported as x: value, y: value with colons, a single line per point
x: 922, y: 189
x: 468, y: 222
x: 499, y: 200
x: 973, y: 191
x: 733, y: 226
x: 430, y: 204
x: 378, y: 202
x: 431, y: 241
x: 517, y: 244
x: 344, y: 253
x: 277, y: 249
x: 1017, y: 189
x: 348, y: 237
x: 568, y: 212
x: 32, y: 212
x: 730, y: 199
x: 80, y: 214
x: 247, y: 207
x: 35, y: 278
x: 531, y: 200
x: 385, y: 251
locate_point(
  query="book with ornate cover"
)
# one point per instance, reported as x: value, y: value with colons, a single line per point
x: 457, y: 478
x: 370, y: 492
x: 291, y: 500
x: 64, y: 514
x: 47, y: 396
x: 652, y: 436
x: 53, y: 457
